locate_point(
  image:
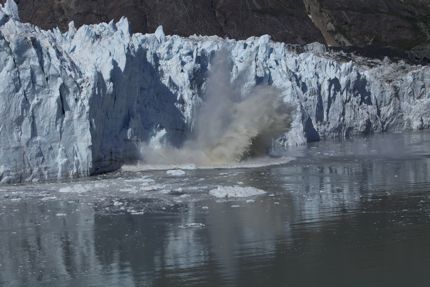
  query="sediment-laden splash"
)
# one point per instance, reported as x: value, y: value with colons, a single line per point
x: 230, y: 125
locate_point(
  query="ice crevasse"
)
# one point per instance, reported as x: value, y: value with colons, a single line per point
x: 78, y: 103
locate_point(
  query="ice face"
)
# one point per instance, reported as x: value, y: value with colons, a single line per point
x: 82, y: 102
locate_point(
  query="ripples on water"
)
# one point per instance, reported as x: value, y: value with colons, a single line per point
x: 342, y: 214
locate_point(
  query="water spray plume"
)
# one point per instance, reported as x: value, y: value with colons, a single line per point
x: 229, y: 127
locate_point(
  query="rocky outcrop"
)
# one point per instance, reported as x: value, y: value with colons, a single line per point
x: 81, y: 102
x: 284, y: 20
x: 395, y: 23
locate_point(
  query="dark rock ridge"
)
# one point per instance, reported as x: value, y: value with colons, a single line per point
x: 403, y: 24
x: 236, y: 19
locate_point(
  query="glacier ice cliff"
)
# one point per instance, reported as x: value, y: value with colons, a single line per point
x: 80, y: 102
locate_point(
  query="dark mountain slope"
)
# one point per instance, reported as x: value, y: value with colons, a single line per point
x: 403, y: 24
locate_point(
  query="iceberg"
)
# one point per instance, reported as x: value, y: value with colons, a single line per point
x: 81, y: 102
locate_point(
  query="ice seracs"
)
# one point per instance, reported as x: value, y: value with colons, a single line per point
x: 10, y: 8
x: 80, y: 102
x: 159, y: 33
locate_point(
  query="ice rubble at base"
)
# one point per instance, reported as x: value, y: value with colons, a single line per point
x: 175, y: 172
x: 78, y: 103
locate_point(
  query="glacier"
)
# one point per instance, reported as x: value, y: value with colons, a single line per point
x: 81, y: 102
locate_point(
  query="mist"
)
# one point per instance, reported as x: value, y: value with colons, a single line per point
x: 229, y: 126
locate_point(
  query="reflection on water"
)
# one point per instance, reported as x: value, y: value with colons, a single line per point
x: 343, y: 214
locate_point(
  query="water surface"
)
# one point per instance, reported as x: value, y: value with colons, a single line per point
x: 341, y: 214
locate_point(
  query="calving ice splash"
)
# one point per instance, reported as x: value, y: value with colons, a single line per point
x: 232, y: 124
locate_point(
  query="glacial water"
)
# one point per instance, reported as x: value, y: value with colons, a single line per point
x: 352, y: 213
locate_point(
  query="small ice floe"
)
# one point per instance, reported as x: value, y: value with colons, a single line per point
x: 60, y: 214
x: 235, y: 206
x: 136, y: 212
x: 154, y: 187
x: 177, y: 192
x: 48, y: 198
x: 250, y: 201
x: 117, y: 203
x: 128, y: 190
x: 205, y: 207
x: 78, y: 188
x: 100, y: 185
x: 235, y: 192
x: 175, y: 172
x: 192, y: 225
x: 144, y: 179
x: 189, y: 166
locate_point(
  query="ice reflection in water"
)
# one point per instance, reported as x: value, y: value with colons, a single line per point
x: 354, y: 213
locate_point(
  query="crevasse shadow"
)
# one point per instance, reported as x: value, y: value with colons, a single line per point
x: 130, y: 111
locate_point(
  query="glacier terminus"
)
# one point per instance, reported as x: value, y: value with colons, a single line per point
x: 81, y: 102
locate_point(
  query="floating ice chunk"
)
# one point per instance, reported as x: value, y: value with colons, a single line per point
x: 117, y: 203
x: 74, y: 189
x: 129, y: 190
x: 155, y: 187
x: 135, y: 212
x: 60, y: 214
x: 100, y: 185
x: 143, y: 180
x: 176, y: 172
x: 48, y: 198
x: 235, y: 191
x: 192, y: 225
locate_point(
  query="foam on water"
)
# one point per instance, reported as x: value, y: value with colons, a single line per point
x: 251, y: 163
